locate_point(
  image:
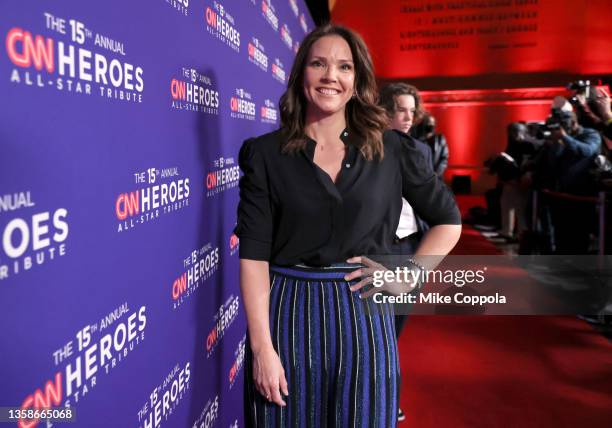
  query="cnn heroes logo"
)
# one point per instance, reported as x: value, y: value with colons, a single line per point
x: 198, y: 267
x: 278, y: 71
x: 269, y: 113
x: 234, y: 242
x: 220, y: 24
x: 31, y: 236
x: 165, y: 397
x: 164, y: 192
x: 257, y: 54
x: 93, y: 353
x: 238, y: 362
x: 285, y: 35
x: 242, y: 105
x: 269, y: 13
x: 209, y: 415
x: 181, y: 6
x: 69, y: 56
x: 224, y: 176
x: 193, y: 91
x: 303, y: 23
x: 223, y: 319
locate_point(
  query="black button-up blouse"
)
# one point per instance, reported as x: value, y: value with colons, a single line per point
x: 291, y: 212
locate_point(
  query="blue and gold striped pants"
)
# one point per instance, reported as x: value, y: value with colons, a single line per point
x: 340, y: 361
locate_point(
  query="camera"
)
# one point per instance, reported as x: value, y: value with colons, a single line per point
x: 582, y: 87
x: 557, y: 119
x: 545, y: 130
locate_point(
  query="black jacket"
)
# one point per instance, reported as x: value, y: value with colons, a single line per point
x: 439, y: 153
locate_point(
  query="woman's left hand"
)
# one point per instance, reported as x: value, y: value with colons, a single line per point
x: 367, y: 273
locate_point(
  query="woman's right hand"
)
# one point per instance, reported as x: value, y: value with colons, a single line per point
x: 269, y: 375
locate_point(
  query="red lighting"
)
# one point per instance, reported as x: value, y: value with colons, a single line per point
x: 423, y: 39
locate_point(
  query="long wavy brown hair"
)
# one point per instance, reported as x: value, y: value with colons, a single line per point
x: 364, y: 117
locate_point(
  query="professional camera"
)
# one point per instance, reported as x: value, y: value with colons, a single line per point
x: 557, y: 119
x: 582, y: 87
x: 545, y: 130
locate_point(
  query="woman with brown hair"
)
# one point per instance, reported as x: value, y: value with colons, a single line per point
x: 316, y: 196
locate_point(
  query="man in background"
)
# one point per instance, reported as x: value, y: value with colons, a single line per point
x: 425, y: 131
x: 403, y: 105
x: 564, y: 165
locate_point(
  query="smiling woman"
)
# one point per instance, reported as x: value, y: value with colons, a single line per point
x: 329, y: 76
x: 323, y: 189
x: 333, y: 58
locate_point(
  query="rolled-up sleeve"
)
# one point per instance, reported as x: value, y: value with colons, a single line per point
x: 430, y: 198
x: 255, y: 221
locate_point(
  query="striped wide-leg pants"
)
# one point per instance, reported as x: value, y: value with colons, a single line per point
x: 339, y: 354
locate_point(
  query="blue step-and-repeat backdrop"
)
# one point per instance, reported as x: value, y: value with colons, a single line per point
x: 121, y: 125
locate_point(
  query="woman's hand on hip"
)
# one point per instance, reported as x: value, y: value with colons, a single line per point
x: 269, y: 375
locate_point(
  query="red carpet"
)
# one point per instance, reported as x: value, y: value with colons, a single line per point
x: 503, y: 371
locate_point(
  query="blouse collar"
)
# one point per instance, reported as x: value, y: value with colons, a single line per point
x: 346, y: 136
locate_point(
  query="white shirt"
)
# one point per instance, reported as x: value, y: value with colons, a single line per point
x: 407, y: 222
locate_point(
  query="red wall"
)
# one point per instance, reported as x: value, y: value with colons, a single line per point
x: 474, y: 123
x: 417, y: 38
x: 556, y: 41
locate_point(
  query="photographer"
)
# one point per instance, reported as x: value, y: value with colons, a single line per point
x: 515, y: 189
x: 563, y: 166
x: 592, y: 106
x: 603, y: 111
x: 512, y: 170
x: 568, y: 152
